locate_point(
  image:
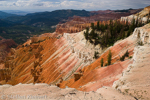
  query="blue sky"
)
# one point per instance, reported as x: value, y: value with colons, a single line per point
x: 49, y: 5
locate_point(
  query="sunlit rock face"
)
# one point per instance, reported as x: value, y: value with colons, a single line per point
x: 142, y: 34
x: 94, y: 76
x: 126, y: 80
x: 135, y: 80
x: 141, y: 16
x: 49, y: 58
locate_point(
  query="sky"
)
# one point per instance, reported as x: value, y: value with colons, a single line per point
x: 90, y: 5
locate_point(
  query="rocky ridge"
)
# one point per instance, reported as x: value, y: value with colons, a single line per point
x: 135, y: 80
x: 142, y: 16
x: 54, y: 51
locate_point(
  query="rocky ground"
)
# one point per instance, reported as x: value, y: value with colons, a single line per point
x: 46, y: 92
x: 136, y: 79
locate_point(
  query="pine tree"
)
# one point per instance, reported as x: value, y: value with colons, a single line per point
x: 126, y: 54
x: 86, y: 34
x: 92, y: 25
x: 137, y: 21
x: 128, y: 33
x: 96, y: 55
x: 109, y: 58
x: 122, y: 58
x: 102, y: 62
x: 98, y: 27
x: 123, y: 35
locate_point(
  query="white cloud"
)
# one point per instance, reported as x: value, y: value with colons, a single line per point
x: 72, y: 4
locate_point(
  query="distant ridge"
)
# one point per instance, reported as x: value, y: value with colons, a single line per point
x: 17, y: 12
x: 5, y: 15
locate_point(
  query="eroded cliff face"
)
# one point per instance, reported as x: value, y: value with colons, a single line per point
x: 142, y: 34
x: 49, y: 58
x: 142, y: 16
x: 94, y: 76
x: 5, y: 46
x: 133, y: 83
x: 66, y: 60
x: 135, y: 80
x: 74, y: 25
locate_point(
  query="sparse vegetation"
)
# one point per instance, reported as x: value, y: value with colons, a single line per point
x: 102, y: 62
x: 125, y: 55
x: 130, y: 57
x: 96, y: 55
x: 106, y: 64
x: 109, y: 58
x: 140, y: 43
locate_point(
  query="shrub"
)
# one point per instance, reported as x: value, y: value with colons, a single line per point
x: 125, y: 55
x: 109, y: 58
x: 130, y: 57
x: 96, y: 55
x: 140, y: 43
x: 102, y: 62
x: 122, y: 58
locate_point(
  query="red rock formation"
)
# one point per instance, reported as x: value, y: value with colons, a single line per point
x: 98, y: 78
x: 65, y: 59
x: 77, y: 24
x: 59, y: 61
x: 95, y: 77
x: 5, y: 46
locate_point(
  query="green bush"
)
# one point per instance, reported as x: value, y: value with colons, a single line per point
x: 109, y: 58
x: 140, y: 43
x: 125, y: 55
x: 130, y: 57
x: 102, y: 62
x: 96, y: 55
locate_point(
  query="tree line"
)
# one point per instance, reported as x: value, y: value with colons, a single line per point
x: 106, y: 34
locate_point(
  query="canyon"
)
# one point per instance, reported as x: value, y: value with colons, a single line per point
x: 62, y: 66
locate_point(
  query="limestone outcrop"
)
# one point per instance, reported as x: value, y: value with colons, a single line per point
x: 142, y: 16
x: 142, y: 34
x: 135, y: 80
